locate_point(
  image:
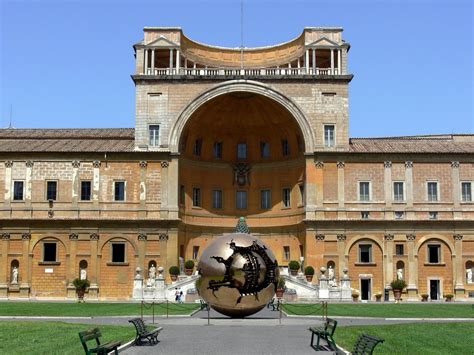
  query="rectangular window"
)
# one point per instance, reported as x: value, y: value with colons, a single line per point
x: 195, y: 252
x: 218, y: 150
x: 434, y: 254
x: 196, y: 197
x: 118, y: 252
x: 365, y: 214
x: 466, y: 194
x: 329, y: 139
x: 285, y: 147
x: 85, y: 190
x: 264, y: 149
x: 364, y: 191
x: 286, y: 252
x: 399, y: 214
x: 49, y: 252
x: 197, y: 147
x: 182, y: 194
x: 119, y: 191
x: 398, y: 193
x: 265, y: 199
x: 241, y: 200
x: 365, y: 253
x: 286, y: 197
x: 301, y: 188
x: 242, y: 151
x: 18, y: 190
x: 217, y: 199
x: 154, y: 135
x: 433, y: 215
x: 51, y: 190
x: 432, y: 191
x: 399, y: 249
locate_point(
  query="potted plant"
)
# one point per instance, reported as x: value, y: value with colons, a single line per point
x: 449, y: 297
x: 424, y: 297
x: 189, y: 267
x: 378, y: 297
x: 81, y: 286
x: 294, y: 266
x: 174, y: 272
x: 309, y: 273
x: 397, y: 288
x: 355, y: 296
x: 280, y: 288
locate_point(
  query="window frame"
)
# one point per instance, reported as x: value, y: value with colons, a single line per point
x: 90, y: 190
x: 51, y: 262
x: 197, y: 196
x: 438, y: 197
x: 262, y: 207
x: 218, y: 150
x: 22, y: 191
x: 182, y: 195
x: 197, y: 147
x: 284, y: 205
x: 47, y: 191
x: 286, y: 252
x: 397, y: 246
x: 155, y: 140
x: 264, y: 148
x: 285, y: 147
x: 402, y: 214
x: 221, y: 201
x: 403, y: 191
x: 359, y: 190
x: 440, y: 254
x: 195, y: 252
x: 239, y: 150
x: 326, y: 142
x: 124, y: 190
x: 370, y: 251
x: 462, y: 191
x: 125, y: 261
x: 243, y: 193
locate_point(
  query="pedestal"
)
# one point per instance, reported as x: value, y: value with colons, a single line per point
x: 93, y: 292
x: 3, y: 291
x: 412, y: 293
x: 71, y: 292
x: 24, y: 291
x: 460, y: 293
x: 323, y: 289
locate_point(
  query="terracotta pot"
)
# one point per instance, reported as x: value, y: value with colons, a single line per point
x: 309, y: 278
x: 279, y: 292
x: 424, y: 299
x: 355, y: 299
x: 449, y: 300
x: 378, y: 299
x: 293, y: 272
x: 174, y: 277
x: 188, y: 272
x: 397, y: 293
x: 80, y: 294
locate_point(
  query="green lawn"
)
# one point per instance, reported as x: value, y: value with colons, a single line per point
x: 411, y: 310
x: 53, y: 337
x: 417, y: 338
x: 56, y: 309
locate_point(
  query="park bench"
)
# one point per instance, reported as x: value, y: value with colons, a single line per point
x: 275, y: 305
x: 151, y: 335
x: 204, y: 306
x: 325, y: 332
x: 100, y: 348
x: 366, y: 344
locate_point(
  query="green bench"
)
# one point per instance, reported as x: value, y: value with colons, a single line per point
x: 366, y: 344
x: 325, y: 332
x: 204, y: 306
x: 94, y: 334
x: 143, y: 333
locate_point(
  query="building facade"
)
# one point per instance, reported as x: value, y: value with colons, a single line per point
x: 222, y: 133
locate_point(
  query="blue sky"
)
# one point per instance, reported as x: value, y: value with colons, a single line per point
x: 68, y: 63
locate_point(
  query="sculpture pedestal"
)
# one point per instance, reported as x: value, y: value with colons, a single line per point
x: 459, y: 293
x: 3, y: 291
x: 71, y: 292
x: 412, y: 293
x: 93, y: 292
x: 323, y: 288
x: 24, y: 291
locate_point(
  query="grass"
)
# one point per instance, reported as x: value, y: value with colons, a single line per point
x: 58, y: 309
x: 430, y: 310
x: 416, y: 338
x: 54, y: 337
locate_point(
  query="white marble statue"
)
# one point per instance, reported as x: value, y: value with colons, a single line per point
x: 83, y: 275
x: 400, y: 274
x: 15, y: 275
x: 469, y: 276
x: 330, y: 273
x: 152, y: 272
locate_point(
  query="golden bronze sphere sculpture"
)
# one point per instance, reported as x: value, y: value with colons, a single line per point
x: 238, y: 275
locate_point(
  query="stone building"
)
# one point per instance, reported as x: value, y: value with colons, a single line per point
x: 222, y: 133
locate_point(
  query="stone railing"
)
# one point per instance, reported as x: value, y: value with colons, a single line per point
x: 269, y: 72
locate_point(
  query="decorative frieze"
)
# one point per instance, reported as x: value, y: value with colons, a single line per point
x: 96, y: 163
x: 457, y: 237
x: 341, y: 237
x: 409, y: 164
x: 320, y: 237
x: 6, y: 236
x: 340, y: 165
x: 411, y: 237
x: 319, y: 164
x: 389, y: 237
x: 163, y: 237
x: 94, y: 236
x: 76, y: 164
x: 73, y: 236
x: 142, y: 236
x: 455, y: 164
x: 165, y: 164
x: 8, y: 164
x: 29, y: 164
x: 26, y: 236
x: 387, y: 164
x: 143, y: 164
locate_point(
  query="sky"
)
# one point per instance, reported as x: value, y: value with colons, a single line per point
x: 67, y: 64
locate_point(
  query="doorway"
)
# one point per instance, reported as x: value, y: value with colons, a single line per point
x: 434, y: 290
x: 365, y: 289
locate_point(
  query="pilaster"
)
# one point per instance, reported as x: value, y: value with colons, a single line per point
x: 75, y: 182
x: 143, y: 172
x: 340, y: 190
x: 409, y: 182
x: 94, y: 287
x: 412, y: 269
x: 311, y: 188
x: 388, y: 184
x: 96, y: 183
x: 173, y: 178
x: 458, y: 269
x: 142, y: 240
x: 8, y: 186
x: 341, y: 244
x: 456, y: 188
x: 71, y: 268
x: 388, y: 259
x: 28, y: 182
x: 27, y: 262
x: 4, y: 246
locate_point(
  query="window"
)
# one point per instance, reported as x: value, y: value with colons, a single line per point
x: 432, y: 191
x: 265, y: 199
x: 154, y: 135
x: 195, y: 252
x: 300, y: 143
x: 301, y: 188
x: 49, y: 252
x: 241, y: 200
x: 85, y: 190
x: 51, y: 190
x: 197, y: 147
x: 285, y: 147
x: 119, y: 194
x: 399, y: 249
x: 217, y: 199
x: 196, y: 197
x: 264, y: 149
x: 364, y: 191
x: 242, y: 151
x: 329, y: 139
x: 118, y: 252
x: 365, y: 253
x: 466, y: 194
x: 398, y: 193
x: 18, y: 187
x: 182, y: 194
x: 399, y: 215
x: 434, y: 254
x: 433, y: 215
x: 286, y: 194
x: 218, y: 150
x: 365, y: 214
x: 286, y: 252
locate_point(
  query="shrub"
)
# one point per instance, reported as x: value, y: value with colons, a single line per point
x: 81, y: 284
x: 189, y: 264
x: 174, y: 270
x: 294, y: 265
x: 281, y: 283
x: 309, y: 270
x: 398, y: 284
x: 449, y: 296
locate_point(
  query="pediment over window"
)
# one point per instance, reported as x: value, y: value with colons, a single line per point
x: 162, y: 42
x: 323, y: 42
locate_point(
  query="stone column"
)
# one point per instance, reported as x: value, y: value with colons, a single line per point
x: 456, y: 188
x: 341, y: 245
x: 317, y: 256
x: 340, y: 189
x: 145, y: 69
x: 412, y: 269
x: 27, y: 262
x: 306, y: 61
x: 4, y: 267
x: 8, y: 187
x: 319, y: 187
x: 388, y: 185
x: 71, y: 268
x: 152, y: 62
x: 96, y: 184
x: 314, y: 61
x: 142, y: 238
x: 409, y: 189
x: 28, y: 182
x: 143, y: 171
x: 332, y: 61
x: 339, y: 61
x: 173, y: 187
x: 93, y: 268
x: 311, y: 188
x: 164, y: 212
x: 75, y: 183
x: 458, y: 269
x: 171, y: 62
x: 177, y: 61
x: 388, y: 259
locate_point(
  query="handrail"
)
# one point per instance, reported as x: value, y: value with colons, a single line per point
x: 219, y: 71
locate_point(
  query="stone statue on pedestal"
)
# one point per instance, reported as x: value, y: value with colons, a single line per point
x: 83, y: 275
x: 15, y: 276
x: 469, y: 276
x: 331, y: 276
x: 152, y: 272
x: 400, y: 274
